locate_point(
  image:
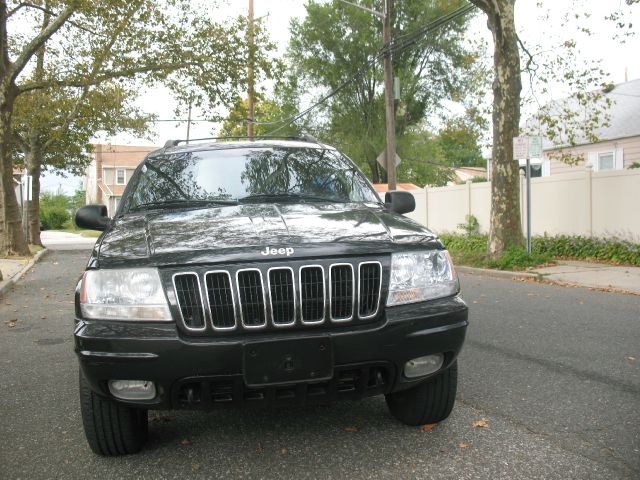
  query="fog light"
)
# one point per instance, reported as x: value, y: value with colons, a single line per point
x: 421, y: 366
x: 132, y: 389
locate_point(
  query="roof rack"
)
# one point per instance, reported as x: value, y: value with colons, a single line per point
x: 304, y: 137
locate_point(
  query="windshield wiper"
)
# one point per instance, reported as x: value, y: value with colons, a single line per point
x: 290, y: 196
x: 181, y: 204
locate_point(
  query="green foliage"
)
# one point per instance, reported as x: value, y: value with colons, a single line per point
x: 53, y: 217
x: 471, y: 227
x: 459, y: 140
x: 329, y: 47
x: 466, y: 244
x: 54, y: 210
x: 635, y: 165
x: 516, y: 257
x: 612, y: 250
x: 266, y: 110
x: 471, y: 250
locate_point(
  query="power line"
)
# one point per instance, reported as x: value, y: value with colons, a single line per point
x: 398, y: 45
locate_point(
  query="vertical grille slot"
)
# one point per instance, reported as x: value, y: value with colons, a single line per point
x: 283, y: 305
x: 369, y: 295
x: 312, y: 294
x: 187, y: 288
x: 220, y: 299
x: 341, y: 294
x: 251, y: 295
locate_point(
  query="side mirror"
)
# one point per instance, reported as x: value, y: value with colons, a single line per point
x: 399, y: 201
x: 92, y: 217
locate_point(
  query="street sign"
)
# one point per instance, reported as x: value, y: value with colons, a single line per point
x: 535, y: 147
x: 527, y: 147
x: 382, y: 159
x: 520, y: 147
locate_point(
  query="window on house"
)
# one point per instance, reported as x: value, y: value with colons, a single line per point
x: 121, y: 176
x: 606, y: 161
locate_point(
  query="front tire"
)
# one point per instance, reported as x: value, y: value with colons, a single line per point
x: 111, y: 429
x: 429, y: 402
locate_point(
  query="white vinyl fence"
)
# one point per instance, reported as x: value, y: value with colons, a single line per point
x: 599, y: 204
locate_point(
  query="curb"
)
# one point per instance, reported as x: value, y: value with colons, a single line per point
x: 496, y: 273
x: 11, y: 281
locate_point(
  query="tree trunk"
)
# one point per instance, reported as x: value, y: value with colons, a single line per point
x: 12, y: 241
x: 34, y: 162
x: 505, y: 224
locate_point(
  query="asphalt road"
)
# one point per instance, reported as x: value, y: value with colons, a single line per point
x: 550, y: 369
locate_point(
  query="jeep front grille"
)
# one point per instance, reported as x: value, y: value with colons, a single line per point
x: 278, y: 296
x: 370, y: 276
x: 312, y: 294
x: 251, y: 295
x: 220, y: 299
x: 187, y: 287
x: 341, y: 297
x: 283, y: 297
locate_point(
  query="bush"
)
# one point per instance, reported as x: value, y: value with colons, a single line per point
x: 612, y: 250
x: 53, y: 217
x: 472, y: 250
x: 517, y: 258
x: 465, y: 244
x: 471, y: 227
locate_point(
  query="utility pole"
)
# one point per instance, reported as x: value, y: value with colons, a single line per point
x: 390, y: 150
x: 189, y: 121
x: 388, y: 97
x: 250, y: 79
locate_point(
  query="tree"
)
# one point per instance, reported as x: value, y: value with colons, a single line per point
x: 266, y: 111
x: 52, y: 129
x: 337, y: 46
x: 460, y: 141
x: 505, y: 228
x: 93, y: 42
x: 563, y: 123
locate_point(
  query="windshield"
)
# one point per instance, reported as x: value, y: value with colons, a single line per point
x: 228, y: 176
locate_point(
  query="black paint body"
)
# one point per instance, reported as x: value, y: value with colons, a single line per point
x: 234, y: 236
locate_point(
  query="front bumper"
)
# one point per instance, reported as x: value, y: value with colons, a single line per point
x: 206, y: 372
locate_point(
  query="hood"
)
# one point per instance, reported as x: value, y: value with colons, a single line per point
x: 256, y: 232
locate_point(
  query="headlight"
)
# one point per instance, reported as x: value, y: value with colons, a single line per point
x: 420, y: 276
x: 124, y: 294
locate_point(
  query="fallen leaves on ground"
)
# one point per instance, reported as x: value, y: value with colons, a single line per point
x: 351, y: 429
x: 195, y: 467
x: 428, y: 427
x: 482, y: 423
x: 185, y: 442
x: 463, y: 445
x: 11, y: 323
x: 284, y: 451
x: 631, y: 359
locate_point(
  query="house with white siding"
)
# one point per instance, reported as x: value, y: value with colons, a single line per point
x: 618, y: 145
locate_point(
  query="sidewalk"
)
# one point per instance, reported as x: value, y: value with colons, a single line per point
x: 12, y: 269
x: 594, y: 275
x: 576, y: 273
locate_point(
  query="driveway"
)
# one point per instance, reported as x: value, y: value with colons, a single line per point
x: 66, y: 241
x: 552, y: 373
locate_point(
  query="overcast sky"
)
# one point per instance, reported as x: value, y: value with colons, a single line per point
x: 276, y: 14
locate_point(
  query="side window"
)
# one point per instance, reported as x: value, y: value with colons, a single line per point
x: 121, y: 176
x: 605, y: 161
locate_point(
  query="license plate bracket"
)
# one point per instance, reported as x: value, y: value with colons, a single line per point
x: 288, y: 361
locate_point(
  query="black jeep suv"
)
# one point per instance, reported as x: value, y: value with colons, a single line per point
x: 256, y: 273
